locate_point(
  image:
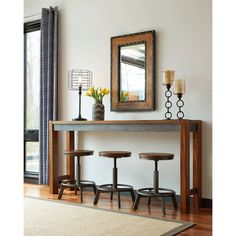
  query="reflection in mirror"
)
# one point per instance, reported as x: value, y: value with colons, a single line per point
x: 132, y: 73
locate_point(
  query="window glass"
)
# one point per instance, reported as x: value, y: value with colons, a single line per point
x: 32, y: 157
x: 32, y: 79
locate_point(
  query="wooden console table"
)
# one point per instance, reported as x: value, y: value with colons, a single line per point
x: 185, y: 127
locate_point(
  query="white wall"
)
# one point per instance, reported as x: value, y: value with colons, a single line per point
x: 183, y: 43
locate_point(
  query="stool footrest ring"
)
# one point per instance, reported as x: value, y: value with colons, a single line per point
x: 109, y: 188
x: 80, y: 186
x: 162, y: 192
x: 73, y: 184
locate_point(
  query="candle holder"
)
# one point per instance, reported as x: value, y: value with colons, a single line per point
x: 168, y: 103
x: 180, y: 104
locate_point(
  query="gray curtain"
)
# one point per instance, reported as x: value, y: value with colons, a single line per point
x: 48, y: 85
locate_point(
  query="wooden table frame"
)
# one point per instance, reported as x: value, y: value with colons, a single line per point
x: 185, y: 127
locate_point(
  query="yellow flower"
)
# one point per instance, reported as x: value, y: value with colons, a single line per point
x: 88, y: 94
x: 105, y: 91
x: 126, y: 94
x: 97, y: 93
x: 91, y: 90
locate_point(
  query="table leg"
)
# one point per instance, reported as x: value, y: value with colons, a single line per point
x: 53, y: 159
x: 197, y: 165
x: 185, y: 166
x: 70, y: 164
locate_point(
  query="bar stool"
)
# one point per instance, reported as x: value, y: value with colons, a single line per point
x: 77, y: 183
x: 156, y: 191
x: 114, y: 187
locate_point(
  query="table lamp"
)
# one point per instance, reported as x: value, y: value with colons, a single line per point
x: 79, y: 80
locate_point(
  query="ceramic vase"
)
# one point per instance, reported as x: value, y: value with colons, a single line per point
x: 98, y: 111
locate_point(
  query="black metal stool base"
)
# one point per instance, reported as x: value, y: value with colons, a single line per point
x: 108, y: 188
x: 80, y: 186
x: 161, y: 193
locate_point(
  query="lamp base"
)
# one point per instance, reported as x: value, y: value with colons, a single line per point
x: 79, y: 119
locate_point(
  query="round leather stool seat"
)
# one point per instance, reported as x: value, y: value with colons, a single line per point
x: 155, y: 191
x: 78, y: 153
x: 114, y: 154
x: 77, y: 183
x: 114, y: 187
x: 155, y: 156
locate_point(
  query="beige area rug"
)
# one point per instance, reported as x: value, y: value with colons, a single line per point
x: 57, y: 218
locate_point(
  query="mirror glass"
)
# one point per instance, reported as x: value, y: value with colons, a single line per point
x: 132, y: 73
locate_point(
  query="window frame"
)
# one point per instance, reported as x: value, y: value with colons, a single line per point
x: 30, y: 135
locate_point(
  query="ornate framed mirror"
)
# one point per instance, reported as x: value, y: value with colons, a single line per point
x: 133, y: 72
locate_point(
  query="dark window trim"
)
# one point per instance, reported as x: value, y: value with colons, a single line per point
x: 30, y: 135
x: 32, y: 26
x: 32, y: 175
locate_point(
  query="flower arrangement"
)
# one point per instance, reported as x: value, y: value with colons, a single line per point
x: 98, y: 93
x: 124, y: 96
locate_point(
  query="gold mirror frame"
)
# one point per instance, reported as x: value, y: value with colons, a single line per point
x: 147, y: 38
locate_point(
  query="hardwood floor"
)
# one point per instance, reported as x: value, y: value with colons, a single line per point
x: 202, y: 217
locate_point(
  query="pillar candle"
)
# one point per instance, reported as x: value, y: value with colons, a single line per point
x: 168, y: 76
x: 179, y: 86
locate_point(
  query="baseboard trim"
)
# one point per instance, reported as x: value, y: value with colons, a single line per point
x: 30, y: 180
x: 206, y: 203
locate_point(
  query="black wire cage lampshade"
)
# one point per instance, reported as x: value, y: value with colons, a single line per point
x: 79, y: 80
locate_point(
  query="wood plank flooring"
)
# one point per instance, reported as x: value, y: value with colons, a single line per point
x: 202, y: 217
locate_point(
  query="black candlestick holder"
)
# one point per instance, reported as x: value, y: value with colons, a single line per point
x: 168, y: 103
x: 180, y: 104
